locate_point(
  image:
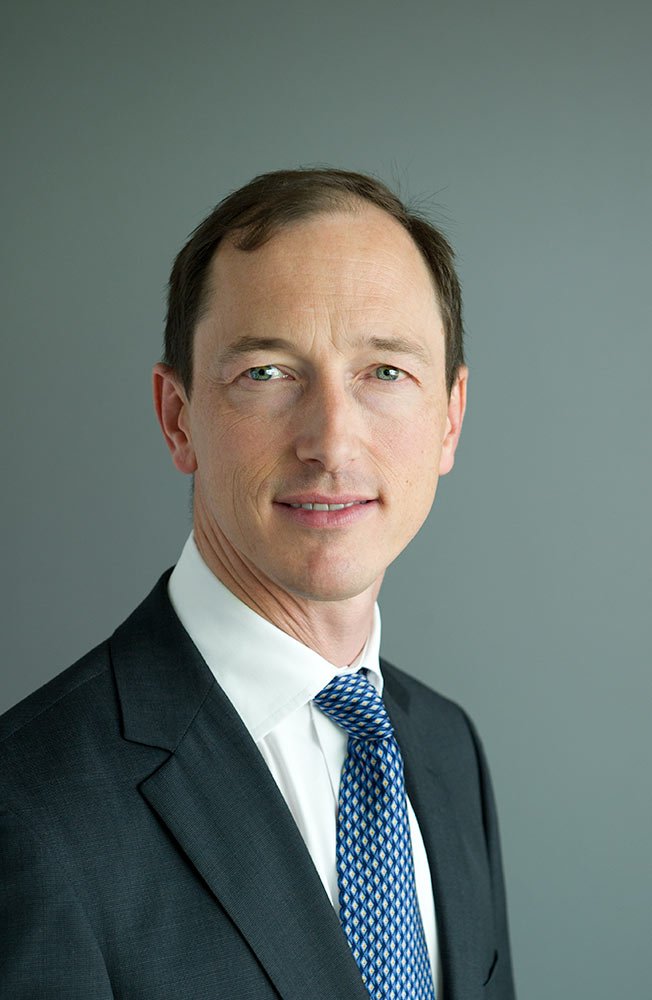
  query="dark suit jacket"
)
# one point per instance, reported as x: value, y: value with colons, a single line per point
x: 147, y: 853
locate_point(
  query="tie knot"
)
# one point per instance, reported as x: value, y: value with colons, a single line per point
x: 355, y: 705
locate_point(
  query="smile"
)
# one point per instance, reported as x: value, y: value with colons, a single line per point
x: 327, y: 506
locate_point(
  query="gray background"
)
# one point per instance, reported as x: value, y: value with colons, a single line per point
x: 524, y: 128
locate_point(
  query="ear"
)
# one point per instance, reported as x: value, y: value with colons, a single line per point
x: 454, y: 418
x: 172, y: 410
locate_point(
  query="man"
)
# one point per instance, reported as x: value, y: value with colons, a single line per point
x: 233, y: 797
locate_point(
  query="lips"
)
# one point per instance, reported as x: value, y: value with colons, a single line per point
x: 322, y: 512
x: 330, y: 499
x: 316, y: 505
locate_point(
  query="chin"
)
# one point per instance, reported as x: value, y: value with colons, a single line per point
x: 327, y: 585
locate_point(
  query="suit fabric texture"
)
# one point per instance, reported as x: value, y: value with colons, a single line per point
x: 147, y: 853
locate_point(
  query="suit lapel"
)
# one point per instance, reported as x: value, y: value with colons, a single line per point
x: 218, y: 800
x: 458, y: 871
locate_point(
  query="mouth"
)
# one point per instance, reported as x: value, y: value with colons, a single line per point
x: 319, y: 505
x: 325, y: 512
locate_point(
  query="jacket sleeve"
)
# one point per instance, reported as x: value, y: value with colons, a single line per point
x: 501, y: 981
x: 47, y: 945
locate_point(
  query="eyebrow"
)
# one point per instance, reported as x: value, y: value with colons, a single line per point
x: 391, y: 345
x: 400, y: 345
x: 245, y: 345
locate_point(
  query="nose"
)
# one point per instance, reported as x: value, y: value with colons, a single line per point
x: 329, y: 433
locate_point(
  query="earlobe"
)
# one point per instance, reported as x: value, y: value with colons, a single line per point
x: 171, y: 406
x: 454, y: 420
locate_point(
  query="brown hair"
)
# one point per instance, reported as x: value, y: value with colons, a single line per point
x: 275, y: 200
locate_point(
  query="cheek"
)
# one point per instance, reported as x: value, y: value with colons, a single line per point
x: 235, y: 455
x: 409, y: 449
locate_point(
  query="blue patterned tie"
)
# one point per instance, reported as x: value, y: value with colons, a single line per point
x: 375, y: 872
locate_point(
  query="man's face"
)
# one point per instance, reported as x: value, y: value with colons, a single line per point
x: 319, y: 378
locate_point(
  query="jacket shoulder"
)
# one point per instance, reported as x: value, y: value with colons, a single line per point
x: 84, y: 693
x: 67, y: 685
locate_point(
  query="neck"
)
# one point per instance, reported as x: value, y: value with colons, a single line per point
x: 336, y: 630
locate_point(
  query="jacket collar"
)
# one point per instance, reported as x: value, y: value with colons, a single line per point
x: 161, y: 678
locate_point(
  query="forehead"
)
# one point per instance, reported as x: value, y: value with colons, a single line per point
x: 358, y: 261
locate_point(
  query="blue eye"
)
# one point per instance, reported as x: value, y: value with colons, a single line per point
x: 386, y: 373
x: 263, y: 373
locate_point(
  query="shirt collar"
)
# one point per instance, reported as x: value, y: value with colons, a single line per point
x: 265, y: 673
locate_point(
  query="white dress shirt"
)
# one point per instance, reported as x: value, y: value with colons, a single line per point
x: 271, y: 679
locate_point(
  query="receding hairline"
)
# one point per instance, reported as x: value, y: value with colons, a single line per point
x: 334, y: 203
